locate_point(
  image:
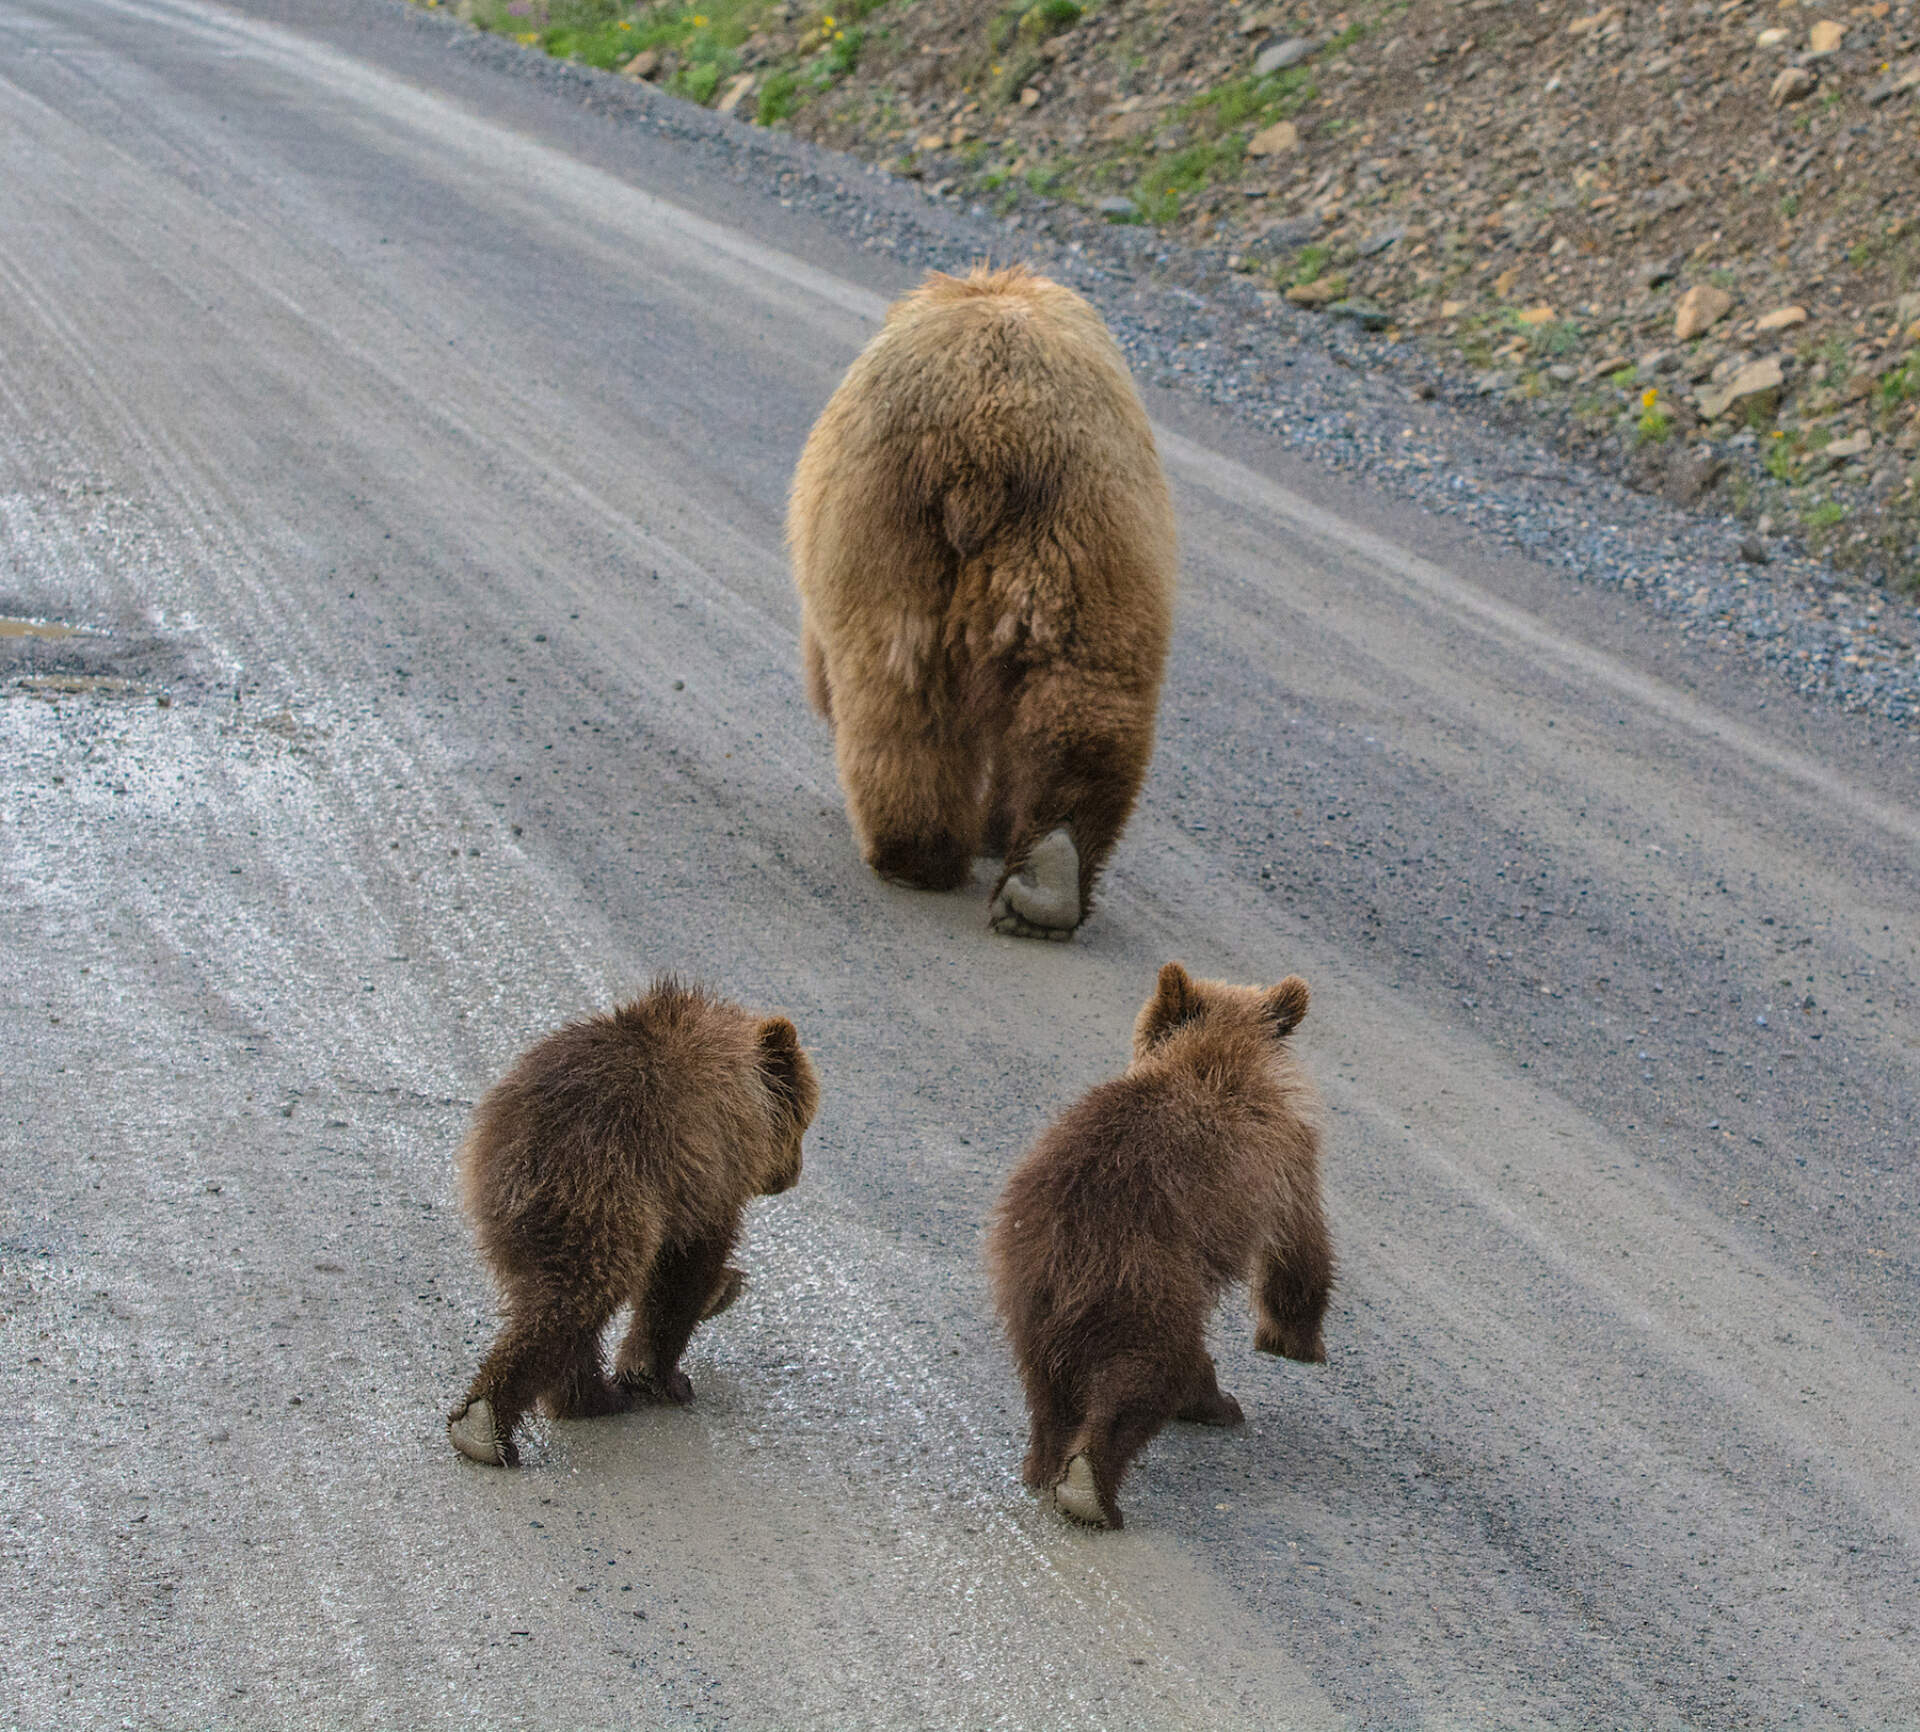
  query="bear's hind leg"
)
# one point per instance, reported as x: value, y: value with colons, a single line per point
x: 1051, y: 1422
x: 684, y: 1280
x: 1295, y: 1278
x: 1132, y: 1399
x: 1071, y: 764
x: 912, y: 787
x: 532, y: 1353
x: 731, y: 1284
x: 813, y: 664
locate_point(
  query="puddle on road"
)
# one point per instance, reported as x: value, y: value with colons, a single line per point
x: 79, y: 685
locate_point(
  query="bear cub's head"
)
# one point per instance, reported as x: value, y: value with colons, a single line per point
x: 793, y: 1092
x: 1180, y: 1003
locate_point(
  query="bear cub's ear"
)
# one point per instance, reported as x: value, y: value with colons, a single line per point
x: 1176, y: 1000
x: 785, y: 1067
x: 1285, y: 1006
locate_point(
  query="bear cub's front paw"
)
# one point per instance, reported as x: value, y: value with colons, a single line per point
x: 673, y: 1387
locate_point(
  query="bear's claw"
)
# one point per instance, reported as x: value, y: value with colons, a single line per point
x: 1041, y: 897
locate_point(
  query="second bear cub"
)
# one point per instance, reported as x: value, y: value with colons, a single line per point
x: 610, y: 1167
x: 1118, y: 1232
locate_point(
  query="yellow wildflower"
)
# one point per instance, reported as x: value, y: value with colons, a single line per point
x: 1649, y: 397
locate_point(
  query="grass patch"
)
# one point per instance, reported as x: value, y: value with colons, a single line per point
x: 699, y: 44
x: 1312, y: 261
x: 1836, y: 355
x: 1254, y: 102
x: 1160, y: 190
x: 779, y: 98
x: 1655, y: 425
x: 1827, y: 514
x: 1029, y: 26
x: 1555, y: 337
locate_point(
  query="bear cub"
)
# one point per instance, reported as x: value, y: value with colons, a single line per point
x: 983, y: 544
x: 609, y: 1167
x: 1115, y: 1236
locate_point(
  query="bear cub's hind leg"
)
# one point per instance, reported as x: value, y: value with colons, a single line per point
x: 532, y: 1355
x: 1051, y: 1423
x: 1129, y: 1406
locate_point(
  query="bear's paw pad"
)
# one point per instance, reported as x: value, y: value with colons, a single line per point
x: 1077, y: 1496
x: 473, y: 1433
x: 1041, y: 899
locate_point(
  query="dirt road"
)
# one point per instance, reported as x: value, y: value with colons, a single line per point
x: 422, y: 440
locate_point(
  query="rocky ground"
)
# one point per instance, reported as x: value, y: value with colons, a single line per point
x: 1686, y: 237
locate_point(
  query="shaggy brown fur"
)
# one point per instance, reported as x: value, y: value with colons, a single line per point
x: 610, y: 1167
x: 1116, y: 1235
x: 983, y: 544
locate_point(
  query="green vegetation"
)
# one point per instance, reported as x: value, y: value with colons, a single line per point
x: 1254, y: 102
x: 1347, y: 38
x: 1826, y: 514
x: 1837, y: 356
x: 1032, y: 25
x: 699, y: 45
x: 1655, y: 424
x: 1158, y: 192
x: 779, y: 97
x: 1552, y: 337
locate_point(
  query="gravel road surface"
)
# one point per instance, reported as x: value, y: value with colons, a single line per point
x: 406, y: 445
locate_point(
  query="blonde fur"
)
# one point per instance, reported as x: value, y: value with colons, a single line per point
x: 983, y: 544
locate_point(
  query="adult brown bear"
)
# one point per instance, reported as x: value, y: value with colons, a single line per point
x: 609, y: 1167
x: 983, y: 544
x: 1116, y: 1235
